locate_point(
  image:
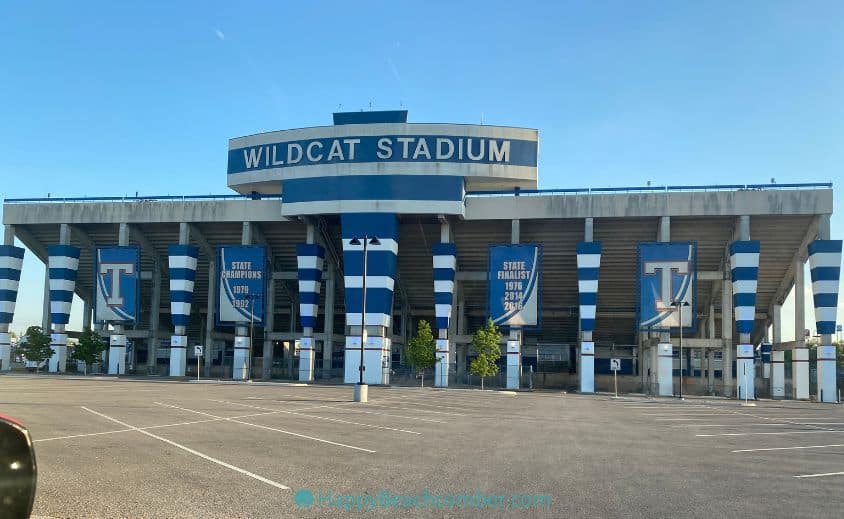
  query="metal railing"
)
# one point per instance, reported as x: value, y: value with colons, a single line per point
x: 139, y: 198
x: 650, y: 189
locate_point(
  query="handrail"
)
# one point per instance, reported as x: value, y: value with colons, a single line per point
x: 653, y: 189
x: 154, y: 198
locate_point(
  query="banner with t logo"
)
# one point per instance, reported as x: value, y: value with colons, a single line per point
x: 667, y: 285
x: 117, y: 274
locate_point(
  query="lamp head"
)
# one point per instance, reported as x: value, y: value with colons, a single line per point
x: 374, y: 241
x: 354, y: 241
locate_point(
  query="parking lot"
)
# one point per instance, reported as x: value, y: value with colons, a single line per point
x: 132, y: 448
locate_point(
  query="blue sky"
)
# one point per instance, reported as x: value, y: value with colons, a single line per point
x: 107, y: 98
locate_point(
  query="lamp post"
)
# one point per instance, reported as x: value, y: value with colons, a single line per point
x: 679, y: 305
x: 361, y: 389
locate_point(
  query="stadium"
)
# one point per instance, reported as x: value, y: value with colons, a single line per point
x: 441, y: 222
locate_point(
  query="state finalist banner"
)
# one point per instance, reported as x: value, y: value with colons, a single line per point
x: 513, y: 289
x: 241, y: 283
x: 117, y: 275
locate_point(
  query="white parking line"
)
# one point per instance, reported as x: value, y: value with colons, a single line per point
x: 678, y: 419
x: 338, y: 420
x: 769, y: 433
x: 385, y: 414
x: 420, y: 410
x: 820, y: 475
x: 791, y: 448
x: 192, y: 451
x: 282, y: 431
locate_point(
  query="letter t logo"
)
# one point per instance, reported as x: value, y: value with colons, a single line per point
x: 114, y: 297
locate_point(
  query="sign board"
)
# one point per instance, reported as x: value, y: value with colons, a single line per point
x: 839, y: 328
x: 117, y: 276
x: 615, y: 364
x: 241, y: 283
x: 667, y: 273
x: 513, y: 290
x: 197, y: 350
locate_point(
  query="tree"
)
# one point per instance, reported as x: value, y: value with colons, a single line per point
x: 35, y: 346
x: 486, y: 344
x: 422, y: 349
x: 90, y: 348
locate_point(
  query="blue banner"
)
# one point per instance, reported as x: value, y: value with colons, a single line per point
x: 117, y: 275
x: 241, y: 284
x: 667, y: 281
x: 513, y: 290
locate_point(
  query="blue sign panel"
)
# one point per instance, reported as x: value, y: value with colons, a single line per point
x: 667, y: 274
x: 241, y: 282
x: 513, y: 289
x: 117, y: 275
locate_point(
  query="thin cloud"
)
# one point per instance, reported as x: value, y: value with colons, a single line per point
x: 220, y: 34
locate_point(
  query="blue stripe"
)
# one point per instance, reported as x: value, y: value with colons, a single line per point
x: 826, y: 273
x: 180, y: 320
x: 442, y: 323
x: 310, y: 275
x: 373, y: 187
x: 378, y: 300
x: 743, y: 326
x: 744, y: 299
x: 64, y: 296
x: 826, y: 300
x: 183, y: 250
x: 444, y: 274
x: 824, y: 246
x: 177, y: 274
x: 587, y: 298
x: 181, y: 296
x: 746, y: 246
x: 308, y: 298
x: 13, y: 274
x: 378, y: 263
x: 444, y: 249
x: 587, y: 274
x: 308, y: 321
x: 825, y: 327
x: 63, y: 250
x: 443, y: 298
x: 8, y: 295
x: 61, y: 273
x: 310, y: 249
x: 745, y: 274
x: 588, y: 247
x: 381, y: 225
x: 6, y: 317
x: 587, y: 325
x: 57, y: 318
x: 377, y: 116
x: 12, y: 251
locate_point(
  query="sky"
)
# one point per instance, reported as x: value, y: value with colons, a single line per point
x: 110, y: 98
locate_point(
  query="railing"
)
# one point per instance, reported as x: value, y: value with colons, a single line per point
x: 650, y: 189
x: 154, y: 198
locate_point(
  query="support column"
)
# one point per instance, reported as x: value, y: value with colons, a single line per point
x: 514, y: 342
x: 744, y: 269
x: 209, y: 315
x: 777, y: 356
x: 588, y: 265
x: 11, y: 262
x: 182, y: 260
x: 310, y: 259
x: 154, y: 319
x: 665, y: 369
x: 445, y: 267
x: 268, y: 353
x: 242, y: 339
x: 117, y: 339
x: 328, y: 342
x: 63, y: 263
x: 800, y: 354
x: 710, y: 353
x: 825, y: 268
x: 727, y: 337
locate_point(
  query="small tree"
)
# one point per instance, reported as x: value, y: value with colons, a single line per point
x: 90, y: 348
x: 486, y: 344
x: 35, y: 346
x: 422, y: 349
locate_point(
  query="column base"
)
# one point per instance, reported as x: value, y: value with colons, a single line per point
x: 586, y: 370
x: 827, y: 383
x: 117, y: 358
x: 361, y: 393
x: 376, y: 361
x: 514, y: 364
x: 178, y: 355
x: 306, y: 359
x: 240, y: 362
x: 745, y: 373
x: 58, y: 362
x: 665, y: 369
x: 800, y: 373
x: 5, y: 351
x: 442, y: 365
x: 777, y: 374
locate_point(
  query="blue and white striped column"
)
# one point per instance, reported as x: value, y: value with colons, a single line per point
x: 11, y: 260
x: 588, y: 267
x: 744, y: 272
x: 380, y: 282
x: 63, y: 263
x: 181, y: 260
x: 445, y: 266
x: 825, y: 268
x: 310, y: 258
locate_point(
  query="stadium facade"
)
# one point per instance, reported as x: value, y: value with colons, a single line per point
x: 454, y: 231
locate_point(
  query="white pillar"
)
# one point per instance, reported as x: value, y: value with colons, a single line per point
x: 306, y: 356
x: 827, y: 384
x: 514, y: 359
x: 777, y: 374
x: 5, y: 351
x: 745, y: 372
x: 665, y: 369
x: 178, y: 354
x: 117, y: 352
x: 586, y: 370
x: 328, y: 341
x: 240, y: 367
x: 727, y: 335
x: 800, y: 355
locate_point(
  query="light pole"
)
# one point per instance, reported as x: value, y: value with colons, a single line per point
x: 361, y: 389
x: 679, y: 305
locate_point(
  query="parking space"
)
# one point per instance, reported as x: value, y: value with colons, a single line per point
x: 130, y: 448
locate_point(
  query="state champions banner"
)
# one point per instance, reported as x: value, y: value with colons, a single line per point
x: 667, y: 273
x: 117, y: 275
x: 241, y: 284
x: 514, y: 283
